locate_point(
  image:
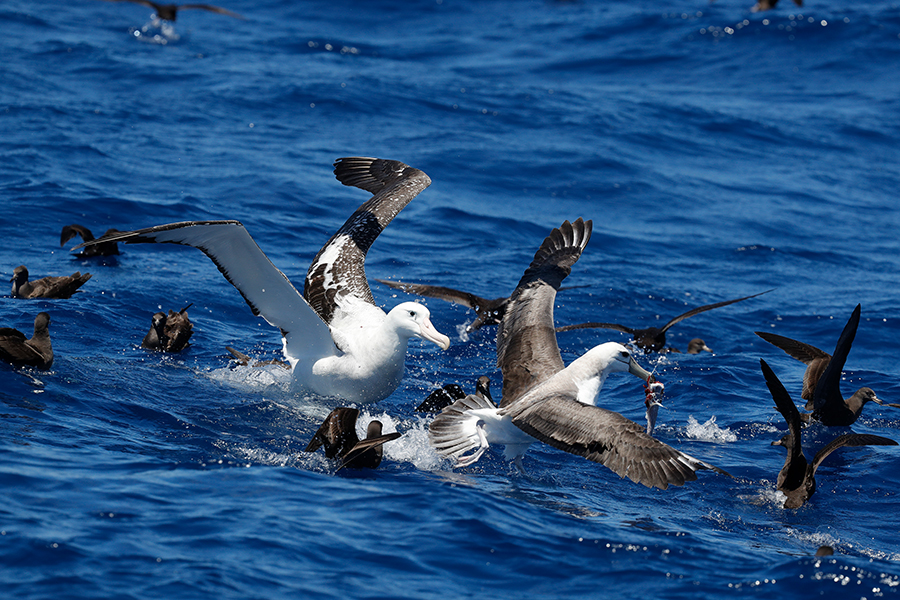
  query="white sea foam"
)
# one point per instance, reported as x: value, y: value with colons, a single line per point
x: 412, y: 446
x: 709, y: 431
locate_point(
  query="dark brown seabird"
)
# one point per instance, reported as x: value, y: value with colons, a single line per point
x: 338, y: 341
x: 822, y: 379
x: 338, y: 434
x: 653, y: 339
x: 444, y: 396
x: 487, y: 312
x: 797, y: 477
x: 169, y: 333
x: 47, y: 287
x: 106, y: 249
x: 169, y: 12
x: 34, y: 352
x: 545, y: 400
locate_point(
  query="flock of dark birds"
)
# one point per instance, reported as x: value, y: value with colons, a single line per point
x: 543, y: 400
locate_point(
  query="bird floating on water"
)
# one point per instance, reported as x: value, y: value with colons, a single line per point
x: 797, y: 477
x: 339, y: 343
x: 822, y: 378
x: 47, y: 287
x: 544, y: 400
x: 653, y: 339
x: 36, y: 351
x: 107, y: 249
x: 169, y: 333
x: 338, y: 435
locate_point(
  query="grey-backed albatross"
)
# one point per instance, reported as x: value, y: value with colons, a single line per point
x: 545, y: 400
x: 797, y: 478
x: 822, y: 378
x: 337, y: 340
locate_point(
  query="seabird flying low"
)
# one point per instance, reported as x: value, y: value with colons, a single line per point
x: 35, y: 352
x: 47, y: 287
x: 338, y: 435
x: 169, y: 12
x: 487, y: 312
x: 822, y: 379
x: 797, y: 477
x: 544, y: 400
x: 339, y: 343
x: 653, y: 339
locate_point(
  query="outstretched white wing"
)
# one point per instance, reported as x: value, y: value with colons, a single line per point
x: 264, y: 287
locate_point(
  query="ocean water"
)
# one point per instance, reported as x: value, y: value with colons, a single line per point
x: 719, y: 153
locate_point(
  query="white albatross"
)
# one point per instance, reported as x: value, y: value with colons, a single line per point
x: 543, y: 400
x: 338, y: 342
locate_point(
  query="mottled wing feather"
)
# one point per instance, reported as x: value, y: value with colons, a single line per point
x: 339, y: 268
x: 527, y: 352
x: 608, y: 438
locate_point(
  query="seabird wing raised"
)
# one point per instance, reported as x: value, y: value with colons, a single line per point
x: 816, y: 360
x: 849, y: 439
x: 828, y: 388
x: 339, y: 267
x: 527, y: 352
x: 700, y: 309
x: 264, y: 287
x: 605, y: 437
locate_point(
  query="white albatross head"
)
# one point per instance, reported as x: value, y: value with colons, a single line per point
x: 412, y: 319
x: 590, y: 370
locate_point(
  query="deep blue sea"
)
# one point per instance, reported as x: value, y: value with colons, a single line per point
x: 719, y: 153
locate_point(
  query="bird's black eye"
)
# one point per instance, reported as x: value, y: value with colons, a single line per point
x: 624, y: 354
x: 412, y: 313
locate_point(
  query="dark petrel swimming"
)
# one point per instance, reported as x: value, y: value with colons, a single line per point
x: 35, y: 352
x: 653, y: 339
x: 822, y: 379
x: 47, y: 287
x: 104, y: 249
x: 338, y: 435
x: 169, y: 333
x: 797, y: 477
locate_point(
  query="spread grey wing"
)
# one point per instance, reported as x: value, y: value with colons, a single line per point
x: 527, y: 352
x: 339, y: 267
x: 608, y: 438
